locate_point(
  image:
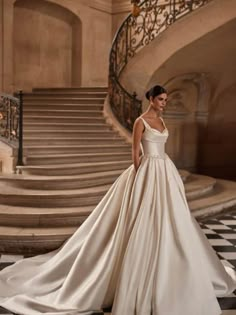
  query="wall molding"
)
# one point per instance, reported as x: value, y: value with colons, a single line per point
x: 101, y: 5
x: 111, y: 6
x: 120, y: 6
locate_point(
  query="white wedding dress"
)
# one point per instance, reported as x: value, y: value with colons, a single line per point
x: 140, y: 250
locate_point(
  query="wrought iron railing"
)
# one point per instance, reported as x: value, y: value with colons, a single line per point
x: 136, y: 32
x: 11, y: 122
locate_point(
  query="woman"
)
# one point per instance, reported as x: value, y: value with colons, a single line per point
x: 140, y: 250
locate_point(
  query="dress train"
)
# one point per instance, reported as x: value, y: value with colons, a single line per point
x: 141, y: 251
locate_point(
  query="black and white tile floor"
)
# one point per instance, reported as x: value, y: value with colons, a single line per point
x: 221, y: 233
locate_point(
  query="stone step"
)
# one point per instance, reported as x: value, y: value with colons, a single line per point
x: 89, y: 180
x: 33, y: 217
x: 64, y: 106
x: 60, y: 182
x: 78, y: 119
x: 70, y: 140
x: 73, y: 169
x: 15, y: 196
x: 198, y: 186
x: 222, y: 197
x: 63, y: 100
x: 18, y: 240
x: 53, y: 159
x: 73, y: 94
x: 184, y: 174
x: 31, y: 239
x: 61, y: 129
x: 53, y: 148
x: 86, y: 110
x: 66, y: 120
x: 60, y: 112
x: 68, y: 134
x: 71, y: 89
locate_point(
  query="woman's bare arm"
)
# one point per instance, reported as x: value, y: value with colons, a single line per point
x: 137, y: 135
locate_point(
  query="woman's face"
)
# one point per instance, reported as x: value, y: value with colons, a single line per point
x: 159, y: 101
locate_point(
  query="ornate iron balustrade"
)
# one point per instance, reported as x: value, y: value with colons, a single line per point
x: 11, y: 122
x: 154, y: 16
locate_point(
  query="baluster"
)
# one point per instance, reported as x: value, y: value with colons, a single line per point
x: 20, y: 135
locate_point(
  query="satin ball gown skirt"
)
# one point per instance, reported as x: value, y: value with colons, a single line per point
x: 140, y: 250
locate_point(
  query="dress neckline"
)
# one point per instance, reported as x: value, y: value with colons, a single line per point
x: 155, y: 128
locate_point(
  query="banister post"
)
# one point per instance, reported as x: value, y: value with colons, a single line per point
x: 20, y: 144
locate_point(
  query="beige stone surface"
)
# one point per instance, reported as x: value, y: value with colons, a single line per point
x: 67, y: 43
x: 8, y: 158
x: 7, y: 45
x: 43, y: 52
x: 195, y: 61
x: 187, y: 30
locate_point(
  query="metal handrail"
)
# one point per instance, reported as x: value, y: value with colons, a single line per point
x: 11, y: 122
x: 136, y: 32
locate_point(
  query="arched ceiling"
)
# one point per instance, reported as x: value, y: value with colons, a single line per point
x: 213, y: 54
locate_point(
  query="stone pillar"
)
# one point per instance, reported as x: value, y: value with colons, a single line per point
x: 7, y: 44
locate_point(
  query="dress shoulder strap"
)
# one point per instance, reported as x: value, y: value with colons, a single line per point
x: 144, y: 122
x: 163, y: 122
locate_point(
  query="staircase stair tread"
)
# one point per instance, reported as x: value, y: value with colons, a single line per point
x: 72, y: 165
x: 84, y: 111
x: 67, y: 124
x: 29, y: 136
x: 78, y: 124
x: 196, y: 181
x: 73, y: 138
x: 62, y: 92
x: 226, y: 192
x: 79, y: 146
x: 57, y: 110
x: 17, y: 190
x: 63, y: 98
x: 70, y: 88
x: 31, y: 211
x: 8, y: 190
x: 184, y: 173
x: 79, y: 154
x: 65, y: 104
x: 9, y: 232
x: 58, y: 178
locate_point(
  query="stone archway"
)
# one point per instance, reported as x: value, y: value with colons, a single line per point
x: 47, y: 45
x: 187, y: 112
x: 186, y: 116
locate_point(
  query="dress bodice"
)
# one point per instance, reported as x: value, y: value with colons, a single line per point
x: 153, y: 141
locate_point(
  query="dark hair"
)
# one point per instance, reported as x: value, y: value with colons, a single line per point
x: 154, y: 91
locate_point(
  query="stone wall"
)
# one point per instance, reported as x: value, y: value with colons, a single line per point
x: 219, y: 148
x: 57, y: 42
x: 54, y: 43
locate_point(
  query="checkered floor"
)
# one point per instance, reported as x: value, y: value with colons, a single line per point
x: 221, y: 233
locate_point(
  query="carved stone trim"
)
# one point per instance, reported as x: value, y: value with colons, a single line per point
x: 121, y: 6
x: 102, y: 5
x: 111, y: 7
x: 201, y: 82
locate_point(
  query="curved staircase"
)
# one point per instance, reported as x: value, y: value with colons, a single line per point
x: 72, y: 156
